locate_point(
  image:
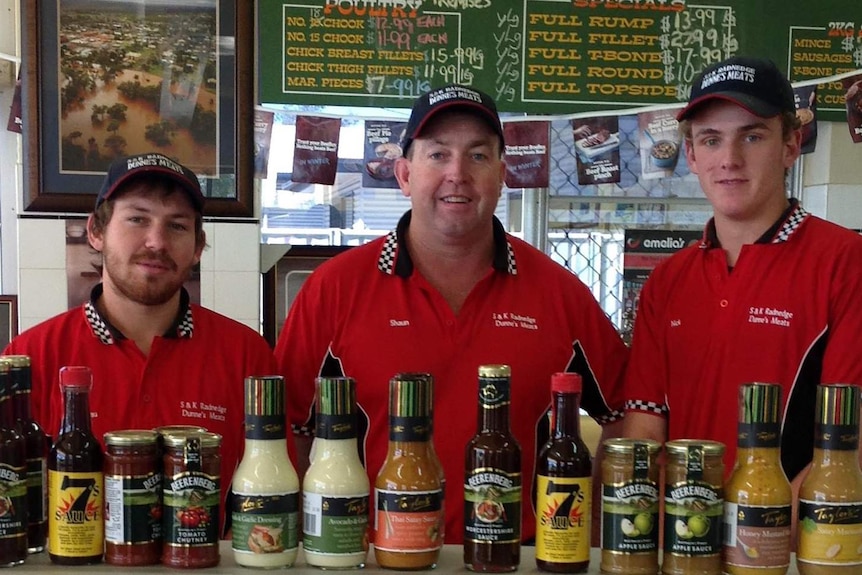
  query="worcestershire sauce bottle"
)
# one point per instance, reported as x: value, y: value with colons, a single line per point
x: 76, y: 527
x: 563, y: 484
x: 492, y: 486
x: 13, y: 480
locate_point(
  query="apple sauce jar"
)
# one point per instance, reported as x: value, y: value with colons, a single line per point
x: 694, y: 507
x: 630, y: 506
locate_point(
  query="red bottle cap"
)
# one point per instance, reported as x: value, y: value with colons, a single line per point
x: 566, y: 383
x: 75, y: 376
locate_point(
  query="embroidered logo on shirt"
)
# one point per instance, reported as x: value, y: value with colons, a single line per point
x: 201, y: 410
x: 770, y: 316
x: 509, y: 319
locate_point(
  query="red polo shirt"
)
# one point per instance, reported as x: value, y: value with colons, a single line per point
x: 369, y: 314
x: 193, y: 375
x: 787, y: 313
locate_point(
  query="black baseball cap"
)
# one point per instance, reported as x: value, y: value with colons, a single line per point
x: 126, y: 169
x: 756, y: 84
x: 450, y: 97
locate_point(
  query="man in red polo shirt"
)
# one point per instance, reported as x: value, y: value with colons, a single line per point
x: 445, y: 292
x: 769, y: 295
x: 156, y: 358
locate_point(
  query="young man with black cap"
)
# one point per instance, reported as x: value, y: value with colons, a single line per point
x: 445, y: 292
x: 156, y: 358
x: 770, y: 293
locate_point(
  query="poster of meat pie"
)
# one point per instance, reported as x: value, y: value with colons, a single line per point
x: 853, y: 102
x: 806, y: 111
x: 382, y: 148
x: 315, y: 154
x: 597, y: 148
x: 659, y: 143
x: 526, y: 154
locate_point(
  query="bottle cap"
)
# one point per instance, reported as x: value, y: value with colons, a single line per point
x: 837, y: 404
x: 566, y: 383
x: 76, y: 376
x: 264, y: 395
x: 759, y: 403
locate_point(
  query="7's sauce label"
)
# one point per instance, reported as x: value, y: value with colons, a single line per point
x: 75, y: 500
x: 563, y: 519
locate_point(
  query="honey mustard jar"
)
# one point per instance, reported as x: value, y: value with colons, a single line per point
x: 694, y: 507
x: 630, y: 506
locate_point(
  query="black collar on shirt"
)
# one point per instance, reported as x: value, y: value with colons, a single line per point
x: 183, y: 325
x: 395, y: 258
x: 781, y: 231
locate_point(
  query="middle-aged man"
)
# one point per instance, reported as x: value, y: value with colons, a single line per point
x: 770, y: 294
x: 445, y: 292
x: 156, y: 358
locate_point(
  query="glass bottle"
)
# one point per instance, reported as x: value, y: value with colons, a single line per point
x: 492, y: 486
x: 335, y: 489
x: 37, y: 452
x: 564, y: 484
x: 13, y: 479
x: 76, y: 528
x: 265, y: 485
x: 757, y: 496
x: 407, y: 495
x: 830, y: 498
x: 435, y: 460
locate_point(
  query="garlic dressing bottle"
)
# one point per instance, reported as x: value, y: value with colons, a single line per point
x: 335, y: 489
x: 830, y: 498
x: 265, y: 485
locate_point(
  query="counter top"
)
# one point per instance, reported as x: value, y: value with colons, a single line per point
x: 450, y: 561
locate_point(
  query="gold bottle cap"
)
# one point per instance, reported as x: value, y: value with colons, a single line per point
x: 495, y: 370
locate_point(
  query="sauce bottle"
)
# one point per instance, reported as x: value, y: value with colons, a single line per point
x: 694, y: 507
x: 407, y: 495
x: 335, y: 489
x: 564, y: 484
x: 757, y: 496
x: 37, y: 452
x: 492, y: 485
x: 76, y: 528
x: 265, y: 485
x: 13, y: 479
x: 435, y: 460
x: 133, y: 498
x: 830, y: 498
x: 630, y: 506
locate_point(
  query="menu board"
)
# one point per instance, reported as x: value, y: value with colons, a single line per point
x: 542, y: 56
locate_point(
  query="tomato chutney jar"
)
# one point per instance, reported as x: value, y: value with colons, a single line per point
x: 191, y: 494
x: 133, y: 498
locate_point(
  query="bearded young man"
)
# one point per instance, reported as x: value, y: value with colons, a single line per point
x: 156, y: 358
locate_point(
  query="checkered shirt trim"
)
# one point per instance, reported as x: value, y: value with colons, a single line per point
x: 187, y: 325
x: 511, y: 264
x: 303, y: 430
x: 791, y: 224
x: 97, y: 324
x: 386, y: 261
x: 648, y: 406
x: 611, y: 417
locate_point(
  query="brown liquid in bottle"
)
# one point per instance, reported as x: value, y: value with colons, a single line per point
x: 37, y: 447
x: 75, y: 478
x: 492, y: 486
x: 13, y: 472
x: 564, y: 486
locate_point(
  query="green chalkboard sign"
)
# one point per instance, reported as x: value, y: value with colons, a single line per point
x: 544, y: 56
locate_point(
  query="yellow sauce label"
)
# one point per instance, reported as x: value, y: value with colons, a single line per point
x: 563, y: 519
x: 76, y: 526
x: 830, y: 533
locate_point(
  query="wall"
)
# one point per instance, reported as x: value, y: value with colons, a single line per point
x: 34, y: 249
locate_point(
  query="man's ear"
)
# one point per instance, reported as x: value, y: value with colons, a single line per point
x: 94, y: 234
x: 402, y: 174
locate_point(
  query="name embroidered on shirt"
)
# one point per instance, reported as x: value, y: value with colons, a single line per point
x: 508, y: 319
x: 769, y: 316
x: 399, y: 323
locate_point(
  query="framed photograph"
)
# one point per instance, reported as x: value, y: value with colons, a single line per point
x: 8, y: 319
x: 110, y: 78
x: 282, y: 283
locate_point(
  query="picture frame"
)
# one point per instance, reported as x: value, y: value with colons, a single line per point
x: 92, y: 94
x: 8, y: 319
x: 282, y: 282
